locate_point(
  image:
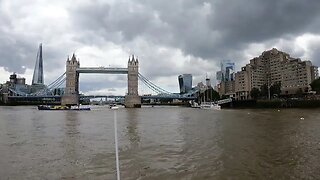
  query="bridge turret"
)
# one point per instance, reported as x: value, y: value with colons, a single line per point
x: 72, y: 82
x: 132, y: 98
x: 133, y: 71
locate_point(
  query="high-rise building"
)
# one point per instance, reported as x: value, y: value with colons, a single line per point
x: 219, y: 76
x: 185, y: 83
x: 229, y: 76
x: 272, y: 67
x: 208, y: 81
x: 38, y: 69
x: 227, y: 71
x: 226, y: 77
x: 228, y: 68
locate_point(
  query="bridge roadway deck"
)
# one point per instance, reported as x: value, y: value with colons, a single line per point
x: 57, y: 98
x: 35, y: 97
x: 102, y: 70
x: 143, y: 97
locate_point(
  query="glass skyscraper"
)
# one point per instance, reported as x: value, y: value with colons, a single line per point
x: 38, y: 69
x: 185, y: 83
x: 227, y: 72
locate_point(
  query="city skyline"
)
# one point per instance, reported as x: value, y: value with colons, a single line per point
x: 103, y: 34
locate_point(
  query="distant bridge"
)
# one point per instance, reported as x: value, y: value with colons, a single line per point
x: 169, y: 97
x: 34, y: 100
x: 99, y: 96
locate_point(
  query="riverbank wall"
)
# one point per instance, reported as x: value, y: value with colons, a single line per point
x: 289, y: 103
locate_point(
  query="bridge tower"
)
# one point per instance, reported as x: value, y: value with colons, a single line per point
x: 71, y: 94
x: 132, y: 99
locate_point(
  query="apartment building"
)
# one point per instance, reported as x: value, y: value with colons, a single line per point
x: 276, y: 66
x: 227, y: 88
x: 242, y: 83
x: 271, y: 67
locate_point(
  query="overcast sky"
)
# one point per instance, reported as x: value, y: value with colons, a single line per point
x: 169, y: 37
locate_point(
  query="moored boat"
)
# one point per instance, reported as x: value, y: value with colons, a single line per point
x: 113, y: 106
x: 210, y: 105
x: 194, y: 104
x: 68, y: 108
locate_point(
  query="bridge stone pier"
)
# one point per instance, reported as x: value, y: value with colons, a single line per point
x: 73, y: 69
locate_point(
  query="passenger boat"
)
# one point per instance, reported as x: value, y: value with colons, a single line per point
x: 210, y: 105
x: 68, y: 108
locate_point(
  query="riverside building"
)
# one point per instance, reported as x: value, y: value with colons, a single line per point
x: 272, y: 67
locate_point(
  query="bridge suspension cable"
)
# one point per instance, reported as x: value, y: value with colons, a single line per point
x: 56, y: 81
x: 48, y: 90
x: 17, y: 92
x: 57, y: 84
x: 60, y: 83
x: 152, y: 86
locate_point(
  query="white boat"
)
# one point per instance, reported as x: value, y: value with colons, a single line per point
x: 210, y: 105
x: 113, y: 106
x: 69, y: 108
x: 194, y: 104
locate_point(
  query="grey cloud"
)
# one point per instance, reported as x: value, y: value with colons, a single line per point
x: 200, y: 29
x: 256, y: 21
x: 15, y: 54
x: 315, y: 53
x: 117, y: 22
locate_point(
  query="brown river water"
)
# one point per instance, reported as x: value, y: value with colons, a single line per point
x: 160, y: 143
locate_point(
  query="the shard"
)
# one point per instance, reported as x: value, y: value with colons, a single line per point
x: 38, y: 69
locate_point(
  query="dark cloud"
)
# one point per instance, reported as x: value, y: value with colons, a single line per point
x: 171, y: 37
x: 255, y: 21
x: 211, y: 30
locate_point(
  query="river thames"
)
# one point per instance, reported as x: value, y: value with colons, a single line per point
x: 160, y: 143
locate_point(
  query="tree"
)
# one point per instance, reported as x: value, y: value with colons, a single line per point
x: 210, y: 95
x: 255, y: 93
x: 264, y: 90
x: 224, y: 97
x: 315, y: 85
x: 275, y: 88
x: 299, y: 92
x: 215, y: 95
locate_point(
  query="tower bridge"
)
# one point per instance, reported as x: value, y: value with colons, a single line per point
x: 73, y: 69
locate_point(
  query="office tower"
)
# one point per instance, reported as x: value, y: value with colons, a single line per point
x: 185, y: 83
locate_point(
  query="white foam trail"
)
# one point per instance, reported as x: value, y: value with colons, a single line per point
x: 116, y: 143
